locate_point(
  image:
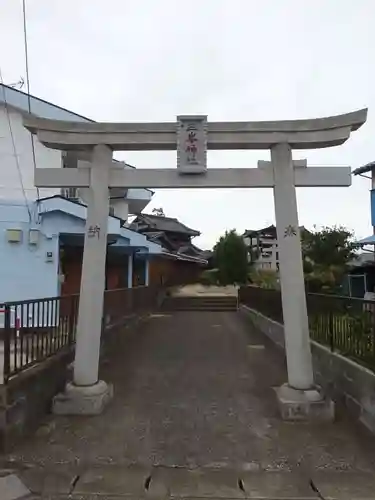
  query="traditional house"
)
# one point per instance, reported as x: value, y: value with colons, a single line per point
x: 262, y: 247
x: 360, y: 278
x: 180, y: 261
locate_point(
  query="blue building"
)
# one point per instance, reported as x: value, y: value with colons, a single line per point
x: 41, y: 250
x: 361, y: 279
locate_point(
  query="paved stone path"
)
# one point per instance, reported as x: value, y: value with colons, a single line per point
x: 195, y: 390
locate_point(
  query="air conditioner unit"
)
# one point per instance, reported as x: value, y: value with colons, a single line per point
x: 14, y: 235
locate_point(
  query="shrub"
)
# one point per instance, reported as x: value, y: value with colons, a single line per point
x: 264, y: 278
x: 209, y: 277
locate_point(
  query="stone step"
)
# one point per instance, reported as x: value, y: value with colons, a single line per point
x: 204, y: 303
x: 202, y: 296
x: 200, y: 302
x: 197, y: 302
x: 135, y: 481
x: 199, y: 308
x: 194, y: 309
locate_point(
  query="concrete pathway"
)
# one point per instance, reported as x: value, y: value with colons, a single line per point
x: 194, y: 408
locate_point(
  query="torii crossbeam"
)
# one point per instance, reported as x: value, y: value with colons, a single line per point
x: 214, y: 178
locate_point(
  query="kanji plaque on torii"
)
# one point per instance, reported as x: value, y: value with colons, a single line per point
x: 192, y: 144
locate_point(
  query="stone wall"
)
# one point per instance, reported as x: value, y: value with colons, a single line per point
x: 349, y: 384
x: 27, y: 398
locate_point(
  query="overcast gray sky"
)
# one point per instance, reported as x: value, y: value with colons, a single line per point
x: 150, y: 60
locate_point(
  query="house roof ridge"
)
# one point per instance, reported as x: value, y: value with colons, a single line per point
x: 27, y: 95
x: 160, y: 216
x: 44, y: 101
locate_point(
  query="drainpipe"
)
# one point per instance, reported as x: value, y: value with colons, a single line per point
x: 147, y: 272
x: 130, y: 270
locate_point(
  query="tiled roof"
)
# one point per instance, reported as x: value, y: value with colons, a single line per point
x: 181, y: 250
x: 369, y: 167
x: 207, y: 254
x: 190, y: 249
x: 153, y: 235
x: 362, y: 259
x: 254, y: 232
x: 199, y: 250
x: 266, y: 230
x: 161, y: 223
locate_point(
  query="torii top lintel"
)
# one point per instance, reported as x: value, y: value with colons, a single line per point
x: 300, y: 134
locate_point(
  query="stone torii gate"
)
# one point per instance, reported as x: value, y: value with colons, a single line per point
x: 191, y: 136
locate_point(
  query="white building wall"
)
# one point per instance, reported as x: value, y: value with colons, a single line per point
x: 10, y: 185
x: 268, y: 259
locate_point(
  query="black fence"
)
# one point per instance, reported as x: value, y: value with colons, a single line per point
x: 265, y: 300
x: 34, y: 330
x: 345, y: 324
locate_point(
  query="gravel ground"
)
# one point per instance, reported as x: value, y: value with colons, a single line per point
x: 195, y: 389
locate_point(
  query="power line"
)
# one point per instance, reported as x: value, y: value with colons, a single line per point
x: 28, y: 81
x: 14, y: 145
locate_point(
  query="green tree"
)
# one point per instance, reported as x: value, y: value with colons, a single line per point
x: 326, y: 254
x: 230, y: 257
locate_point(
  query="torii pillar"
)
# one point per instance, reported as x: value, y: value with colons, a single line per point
x: 192, y: 136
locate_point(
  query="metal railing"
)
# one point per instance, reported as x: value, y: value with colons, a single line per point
x: 265, y: 300
x: 345, y: 324
x: 127, y: 301
x: 32, y: 331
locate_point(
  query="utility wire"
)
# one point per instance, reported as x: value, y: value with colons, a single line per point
x: 28, y: 82
x: 14, y: 145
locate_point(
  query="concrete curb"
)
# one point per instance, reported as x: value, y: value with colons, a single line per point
x: 349, y: 384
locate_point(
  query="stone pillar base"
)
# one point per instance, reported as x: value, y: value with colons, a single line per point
x: 83, y: 400
x: 308, y: 405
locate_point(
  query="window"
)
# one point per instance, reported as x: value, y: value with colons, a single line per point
x: 69, y: 160
x: 70, y: 193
